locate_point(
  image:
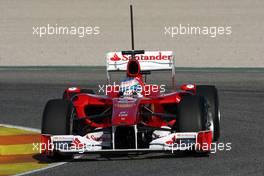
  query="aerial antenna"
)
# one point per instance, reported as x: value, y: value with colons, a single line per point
x: 133, y: 52
x: 132, y: 27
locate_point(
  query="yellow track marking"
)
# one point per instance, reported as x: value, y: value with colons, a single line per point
x: 9, y: 169
x: 13, y: 131
x: 17, y: 149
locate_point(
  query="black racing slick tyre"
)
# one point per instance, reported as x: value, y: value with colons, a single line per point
x: 57, y: 120
x: 56, y: 117
x: 211, y: 95
x: 191, y: 114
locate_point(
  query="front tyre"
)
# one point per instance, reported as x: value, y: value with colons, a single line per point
x: 191, y: 114
x: 211, y: 95
x: 57, y: 120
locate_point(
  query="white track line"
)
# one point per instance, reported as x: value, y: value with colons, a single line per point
x: 21, y: 127
x: 34, y: 130
x: 41, y: 169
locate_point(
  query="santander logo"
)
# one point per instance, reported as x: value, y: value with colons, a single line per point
x: 115, y: 58
x: 156, y: 57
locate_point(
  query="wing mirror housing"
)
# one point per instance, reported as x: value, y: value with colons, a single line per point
x: 189, y: 88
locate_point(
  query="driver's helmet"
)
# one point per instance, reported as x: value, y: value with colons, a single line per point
x: 131, y: 87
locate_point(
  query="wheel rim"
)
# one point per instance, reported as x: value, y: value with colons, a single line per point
x: 219, y: 114
x: 211, y: 128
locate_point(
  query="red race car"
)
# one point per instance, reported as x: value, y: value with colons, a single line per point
x: 132, y: 116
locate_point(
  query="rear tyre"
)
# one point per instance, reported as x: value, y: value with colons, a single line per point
x: 211, y: 95
x: 56, y: 120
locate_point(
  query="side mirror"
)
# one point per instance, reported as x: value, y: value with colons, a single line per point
x: 189, y: 87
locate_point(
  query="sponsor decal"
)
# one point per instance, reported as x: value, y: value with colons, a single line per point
x: 76, y: 143
x: 124, y: 105
x: 99, y: 137
x: 185, y: 135
x: 127, y: 100
x: 171, y: 141
x: 115, y: 58
x: 123, y: 114
x: 95, y: 138
x: 61, y: 138
x: 142, y: 57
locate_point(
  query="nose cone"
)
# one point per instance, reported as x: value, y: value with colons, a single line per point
x: 124, y: 111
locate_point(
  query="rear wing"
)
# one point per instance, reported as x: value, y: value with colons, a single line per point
x: 149, y: 61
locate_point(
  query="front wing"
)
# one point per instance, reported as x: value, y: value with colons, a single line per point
x: 74, y: 144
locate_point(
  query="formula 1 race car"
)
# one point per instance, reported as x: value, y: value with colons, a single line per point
x: 132, y: 117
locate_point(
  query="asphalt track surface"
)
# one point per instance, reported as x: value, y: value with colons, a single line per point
x: 24, y: 94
